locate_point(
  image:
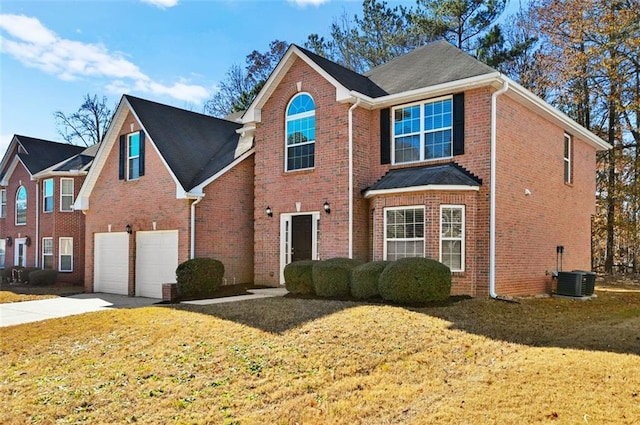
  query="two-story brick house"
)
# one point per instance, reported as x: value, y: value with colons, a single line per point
x: 166, y: 185
x: 432, y: 154
x: 39, y: 182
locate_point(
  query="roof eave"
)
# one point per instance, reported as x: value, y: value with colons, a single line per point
x: 424, y: 188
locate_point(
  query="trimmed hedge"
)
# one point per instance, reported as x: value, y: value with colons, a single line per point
x: 364, y: 279
x: 331, y: 277
x: 43, y: 277
x: 298, y: 277
x: 415, y: 280
x: 199, y: 277
x: 22, y: 273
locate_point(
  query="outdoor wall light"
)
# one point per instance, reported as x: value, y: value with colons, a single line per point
x: 327, y: 207
x: 27, y: 240
x: 128, y: 228
x: 269, y: 212
x: 9, y: 240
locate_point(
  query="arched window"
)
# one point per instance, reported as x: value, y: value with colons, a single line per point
x: 301, y: 133
x: 21, y: 205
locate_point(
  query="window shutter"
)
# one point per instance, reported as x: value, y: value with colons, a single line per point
x: 122, y: 158
x: 458, y: 124
x: 385, y: 136
x: 141, y: 153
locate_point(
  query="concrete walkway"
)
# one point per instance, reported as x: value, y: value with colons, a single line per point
x: 33, y: 311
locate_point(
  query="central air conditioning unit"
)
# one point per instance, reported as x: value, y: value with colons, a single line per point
x: 577, y: 283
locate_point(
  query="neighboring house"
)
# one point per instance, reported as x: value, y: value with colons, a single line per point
x: 166, y: 185
x: 39, y: 182
x: 433, y: 154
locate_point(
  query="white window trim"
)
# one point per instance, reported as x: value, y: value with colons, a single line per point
x: 129, y: 158
x: 384, y: 228
x: 26, y: 202
x: 293, y: 117
x: 422, y: 131
x: 567, y: 168
x: 462, y: 239
x: 50, y: 255
x: 63, y: 195
x: 44, y: 196
x: 60, y: 254
x: 3, y: 203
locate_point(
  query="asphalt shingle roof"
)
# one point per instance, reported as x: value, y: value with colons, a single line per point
x: 441, y: 174
x: 41, y: 154
x: 195, y: 146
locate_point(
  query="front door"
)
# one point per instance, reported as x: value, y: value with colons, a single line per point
x: 20, y: 255
x: 298, y: 238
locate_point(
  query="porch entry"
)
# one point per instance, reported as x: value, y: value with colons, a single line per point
x: 20, y: 254
x: 298, y: 238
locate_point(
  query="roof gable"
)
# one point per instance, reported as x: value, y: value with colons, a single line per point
x: 38, y: 154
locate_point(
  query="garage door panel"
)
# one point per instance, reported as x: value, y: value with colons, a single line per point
x: 111, y: 263
x: 156, y: 261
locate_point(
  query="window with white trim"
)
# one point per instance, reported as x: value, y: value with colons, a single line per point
x: 452, y: 240
x: 567, y: 158
x: 47, y: 195
x: 66, y: 194
x: 47, y: 253
x: 423, y: 131
x: 3, y: 251
x: 404, y: 232
x: 133, y: 156
x: 65, y: 255
x: 21, y: 206
x: 301, y: 133
x: 3, y: 203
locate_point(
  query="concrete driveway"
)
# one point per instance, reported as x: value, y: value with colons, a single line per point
x: 33, y: 311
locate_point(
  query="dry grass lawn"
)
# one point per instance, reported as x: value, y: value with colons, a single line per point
x: 294, y: 361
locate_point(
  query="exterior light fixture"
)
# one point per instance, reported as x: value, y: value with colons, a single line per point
x: 9, y: 240
x: 327, y: 207
x: 128, y: 228
x: 27, y: 240
x: 269, y: 212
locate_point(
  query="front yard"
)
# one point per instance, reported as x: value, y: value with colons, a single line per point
x: 288, y: 361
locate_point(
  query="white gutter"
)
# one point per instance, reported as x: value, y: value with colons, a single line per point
x: 192, y: 248
x: 492, y: 211
x: 351, y: 109
x: 423, y: 188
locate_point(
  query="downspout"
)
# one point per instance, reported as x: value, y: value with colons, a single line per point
x: 492, y: 210
x: 351, y: 109
x: 37, y: 237
x: 192, y: 248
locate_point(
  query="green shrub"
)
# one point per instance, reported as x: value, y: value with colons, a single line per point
x: 24, y: 276
x: 415, y: 281
x: 43, y: 277
x: 199, y: 277
x: 364, y: 279
x: 331, y: 277
x: 298, y: 277
x: 20, y: 273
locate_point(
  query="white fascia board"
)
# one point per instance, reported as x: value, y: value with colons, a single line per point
x: 6, y: 159
x: 425, y: 188
x: 12, y: 166
x: 200, y: 188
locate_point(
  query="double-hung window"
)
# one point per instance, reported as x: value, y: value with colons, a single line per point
x: 65, y: 256
x: 21, y: 206
x: 567, y: 159
x: 301, y: 133
x: 423, y: 131
x: 452, y: 223
x: 47, y: 195
x: 3, y: 203
x: 133, y: 156
x: 47, y: 253
x: 66, y: 194
x: 404, y: 232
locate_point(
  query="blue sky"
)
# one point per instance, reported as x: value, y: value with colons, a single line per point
x: 53, y: 52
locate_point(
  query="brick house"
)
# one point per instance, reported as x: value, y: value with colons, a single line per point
x: 433, y: 154
x: 166, y: 185
x: 39, y: 182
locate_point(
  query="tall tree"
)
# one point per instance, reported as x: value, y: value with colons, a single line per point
x: 88, y: 124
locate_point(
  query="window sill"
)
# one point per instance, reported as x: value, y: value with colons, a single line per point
x: 299, y: 171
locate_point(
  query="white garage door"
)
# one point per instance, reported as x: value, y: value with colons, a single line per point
x: 111, y: 263
x: 156, y: 261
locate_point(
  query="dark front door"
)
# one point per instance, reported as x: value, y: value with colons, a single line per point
x: 301, y: 237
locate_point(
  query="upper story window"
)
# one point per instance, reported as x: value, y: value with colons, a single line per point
x: 567, y: 159
x: 3, y: 203
x: 301, y: 133
x: 66, y: 194
x: 423, y: 131
x: 47, y: 195
x: 21, y: 206
x: 131, y: 162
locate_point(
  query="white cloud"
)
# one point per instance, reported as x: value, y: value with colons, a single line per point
x: 36, y: 46
x: 305, y: 3
x: 162, y: 4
